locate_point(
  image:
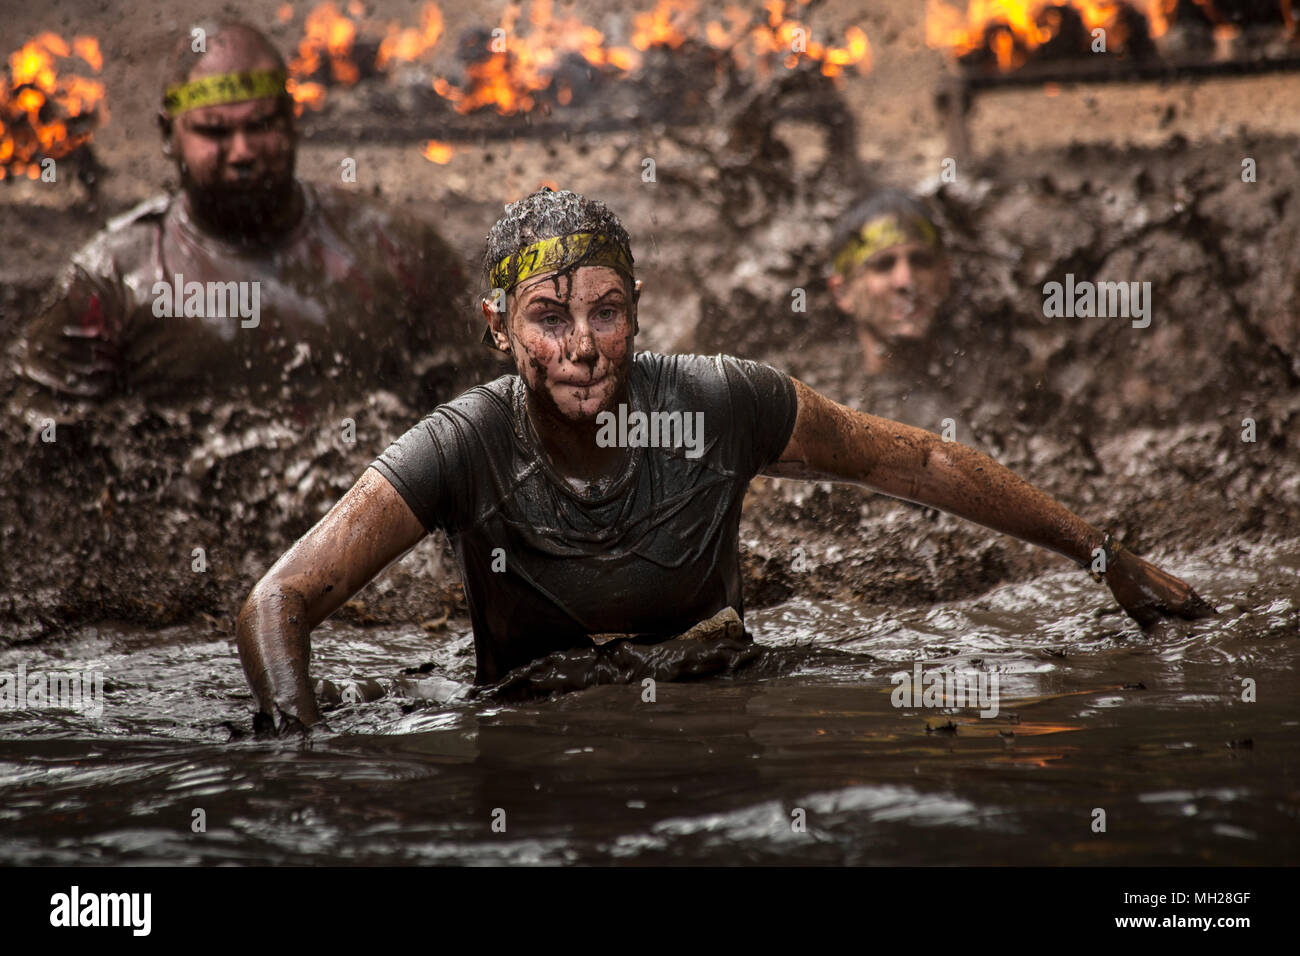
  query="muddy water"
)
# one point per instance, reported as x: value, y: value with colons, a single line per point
x: 1093, y: 714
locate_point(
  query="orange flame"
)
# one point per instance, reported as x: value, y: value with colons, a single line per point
x: 669, y: 24
x: 751, y: 39
x: 38, y: 103
x: 327, y: 35
x: 436, y: 152
x: 520, y: 64
x: 408, y: 44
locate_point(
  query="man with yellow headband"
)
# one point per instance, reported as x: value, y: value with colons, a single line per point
x: 594, y: 497
x: 249, y: 281
x: 891, y: 276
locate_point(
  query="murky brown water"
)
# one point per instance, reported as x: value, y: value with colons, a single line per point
x: 1093, y: 714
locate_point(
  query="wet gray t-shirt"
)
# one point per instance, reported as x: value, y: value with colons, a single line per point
x: 654, y: 553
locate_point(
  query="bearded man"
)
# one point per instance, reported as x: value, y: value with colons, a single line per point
x: 248, y: 281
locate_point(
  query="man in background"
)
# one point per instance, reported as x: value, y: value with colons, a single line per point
x: 248, y: 281
x: 891, y: 277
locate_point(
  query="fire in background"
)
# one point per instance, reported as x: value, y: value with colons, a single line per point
x: 508, y: 65
x: 1005, y: 34
x: 46, y: 109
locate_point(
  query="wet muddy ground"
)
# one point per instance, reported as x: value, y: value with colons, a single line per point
x: 1139, y: 430
x: 1093, y: 714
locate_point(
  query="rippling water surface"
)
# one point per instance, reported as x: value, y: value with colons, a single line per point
x: 796, y: 756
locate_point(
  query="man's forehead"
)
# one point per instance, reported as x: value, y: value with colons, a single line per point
x: 233, y: 114
x: 232, y: 53
x: 230, y: 56
x: 900, y: 248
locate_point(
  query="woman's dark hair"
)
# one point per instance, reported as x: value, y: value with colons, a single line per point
x: 547, y: 214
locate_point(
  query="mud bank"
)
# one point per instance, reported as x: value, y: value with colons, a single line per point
x: 1137, y: 429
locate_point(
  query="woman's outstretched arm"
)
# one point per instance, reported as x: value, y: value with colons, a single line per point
x: 369, y: 528
x: 834, y: 443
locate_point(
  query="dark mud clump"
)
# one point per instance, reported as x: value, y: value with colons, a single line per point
x: 629, y: 662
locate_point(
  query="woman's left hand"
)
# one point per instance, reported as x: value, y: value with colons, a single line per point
x: 1147, y: 593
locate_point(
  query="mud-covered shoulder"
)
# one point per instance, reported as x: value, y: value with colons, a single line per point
x: 437, y: 463
x: 483, y: 406
x: 363, y: 218
x: 126, y: 242
x: 710, y: 381
x: 683, y: 378
x: 747, y: 408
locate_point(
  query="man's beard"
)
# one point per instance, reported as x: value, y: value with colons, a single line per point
x: 250, y: 211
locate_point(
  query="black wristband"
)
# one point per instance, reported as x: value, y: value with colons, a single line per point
x: 1109, y: 549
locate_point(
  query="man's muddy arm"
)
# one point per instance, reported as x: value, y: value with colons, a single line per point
x: 834, y: 443
x: 72, y: 348
x: 369, y: 528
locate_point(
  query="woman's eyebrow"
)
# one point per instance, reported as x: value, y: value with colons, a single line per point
x: 545, y: 300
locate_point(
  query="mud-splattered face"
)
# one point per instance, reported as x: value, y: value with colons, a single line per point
x: 571, y: 335
x: 895, y: 295
x: 236, y: 159
x: 235, y: 146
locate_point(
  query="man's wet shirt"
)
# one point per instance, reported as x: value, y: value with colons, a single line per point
x: 352, y: 297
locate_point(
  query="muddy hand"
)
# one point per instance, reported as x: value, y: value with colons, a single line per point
x: 1147, y: 593
x: 267, y: 726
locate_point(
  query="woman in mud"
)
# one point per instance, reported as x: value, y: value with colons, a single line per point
x: 598, y: 491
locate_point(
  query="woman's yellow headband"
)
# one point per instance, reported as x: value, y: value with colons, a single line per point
x: 550, y: 255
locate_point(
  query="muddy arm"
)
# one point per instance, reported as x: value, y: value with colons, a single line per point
x: 834, y: 443
x: 72, y: 348
x: 369, y: 528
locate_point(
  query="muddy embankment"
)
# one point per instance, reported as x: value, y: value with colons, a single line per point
x: 1139, y: 429
x: 1136, y: 429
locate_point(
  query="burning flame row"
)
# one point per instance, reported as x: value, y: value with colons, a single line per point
x: 1014, y: 28
x: 520, y: 58
x: 48, y: 110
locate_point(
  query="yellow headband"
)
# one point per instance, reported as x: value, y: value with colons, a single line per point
x: 550, y: 255
x: 882, y: 233
x: 223, y: 88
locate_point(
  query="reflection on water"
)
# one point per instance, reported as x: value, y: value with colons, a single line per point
x: 796, y: 755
